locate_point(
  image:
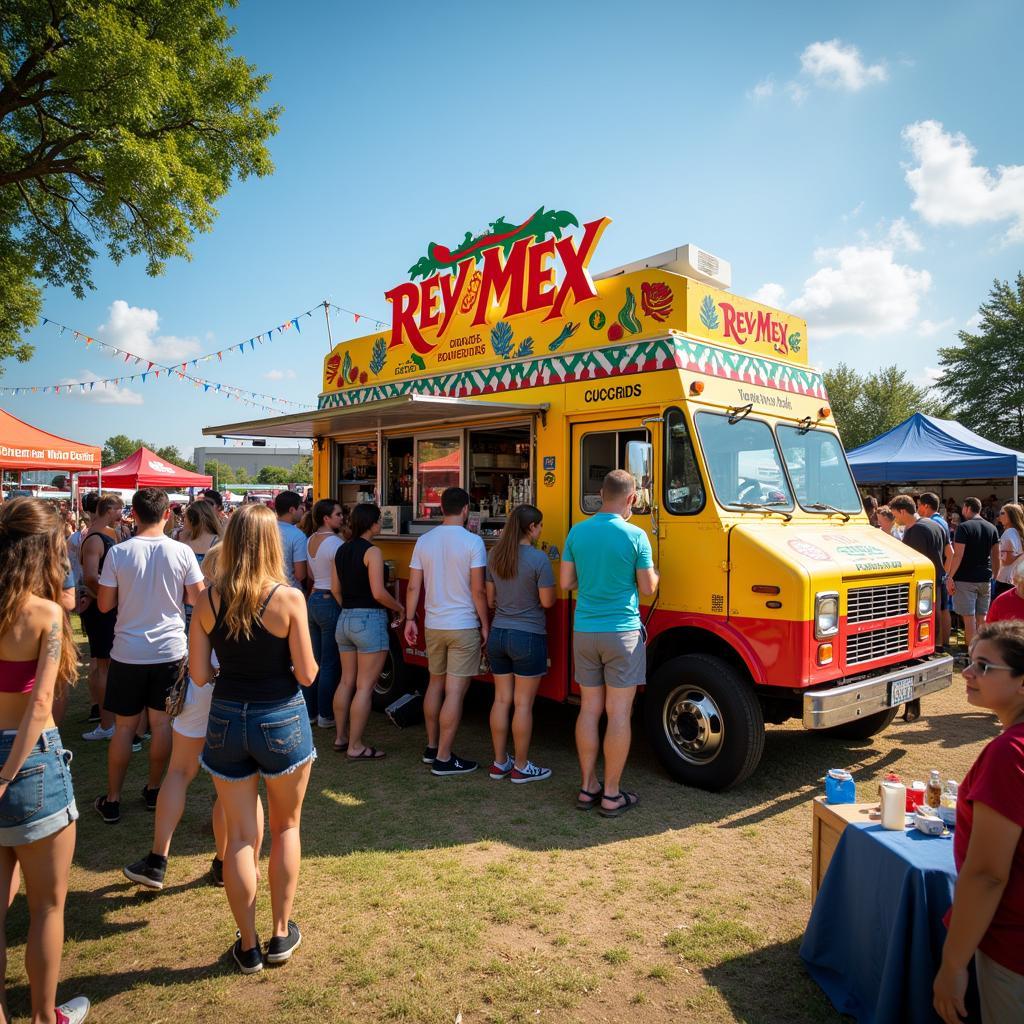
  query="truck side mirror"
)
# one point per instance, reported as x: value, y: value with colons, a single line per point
x: 639, y: 460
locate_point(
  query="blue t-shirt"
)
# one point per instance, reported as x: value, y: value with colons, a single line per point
x: 607, y: 551
x: 293, y: 543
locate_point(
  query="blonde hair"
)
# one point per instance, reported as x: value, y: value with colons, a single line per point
x: 249, y: 559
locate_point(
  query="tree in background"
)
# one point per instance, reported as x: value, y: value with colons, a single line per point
x: 121, y: 124
x: 242, y: 475
x: 222, y: 474
x: 302, y: 471
x: 869, y: 405
x: 274, y: 475
x: 983, y: 377
x: 120, y: 446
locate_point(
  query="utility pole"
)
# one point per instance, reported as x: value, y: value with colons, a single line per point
x: 327, y: 317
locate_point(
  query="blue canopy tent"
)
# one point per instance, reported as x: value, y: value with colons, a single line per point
x: 923, y: 449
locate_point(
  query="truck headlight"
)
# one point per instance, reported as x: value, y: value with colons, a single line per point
x: 826, y: 615
x: 925, y: 598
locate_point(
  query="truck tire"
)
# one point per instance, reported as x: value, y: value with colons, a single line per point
x: 396, y: 678
x: 704, y: 721
x: 862, y: 728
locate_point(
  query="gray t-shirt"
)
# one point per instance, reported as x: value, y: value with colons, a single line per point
x: 293, y: 547
x: 517, y: 604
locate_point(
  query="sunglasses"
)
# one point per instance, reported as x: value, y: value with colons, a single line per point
x: 982, y: 668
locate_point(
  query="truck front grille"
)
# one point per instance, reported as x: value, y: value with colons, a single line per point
x: 879, y: 643
x: 866, y: 604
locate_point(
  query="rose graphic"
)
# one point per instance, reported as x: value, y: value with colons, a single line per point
x: 656, y: 300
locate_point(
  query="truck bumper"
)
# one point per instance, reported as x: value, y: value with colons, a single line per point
x: 870, y: 694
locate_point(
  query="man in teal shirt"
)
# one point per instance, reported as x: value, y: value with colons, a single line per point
x: 608, y: 562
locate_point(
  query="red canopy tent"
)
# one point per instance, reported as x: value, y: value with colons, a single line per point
x: 146, y: 469
x: 24, y: 447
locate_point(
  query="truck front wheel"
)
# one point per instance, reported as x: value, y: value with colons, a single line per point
x: 704, y: 721
x: 396, y: 678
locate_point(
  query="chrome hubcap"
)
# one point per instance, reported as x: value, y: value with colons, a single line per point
x: 693, y: 724
x: 387, y: 675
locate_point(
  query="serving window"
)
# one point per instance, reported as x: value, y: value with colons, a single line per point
x: 600, y: 453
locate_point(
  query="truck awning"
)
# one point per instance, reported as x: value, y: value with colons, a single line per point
x: 406, y: 411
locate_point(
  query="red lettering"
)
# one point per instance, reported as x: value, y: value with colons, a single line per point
x: 500, y: 277
x: 577, y: 278
x: 730, y: 320
x: 451, y: 291
x: 540, y: 274
x: 405, y: 299
x: 430, y: 315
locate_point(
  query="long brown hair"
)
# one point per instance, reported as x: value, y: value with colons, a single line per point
x: 201, y: 517
x: 250, y: 558
x: 33, y: 560
x: 504, y: 560
x: 1015, y: 514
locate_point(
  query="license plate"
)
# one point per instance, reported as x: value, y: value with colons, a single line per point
x: 900, y: 691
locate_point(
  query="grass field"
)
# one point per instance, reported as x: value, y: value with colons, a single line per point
x: 422, y: 898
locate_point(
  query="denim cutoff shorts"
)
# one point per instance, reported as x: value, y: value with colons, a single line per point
x: 41, y: 800
x: 270, y: 738
x: 362, y: 629
x: 514, y: 651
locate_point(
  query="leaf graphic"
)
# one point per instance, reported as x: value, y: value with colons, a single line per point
x: 627, y: 315
x: 567, y: 332
x: 709, y: 313
x: 417, y: 361
x: 501, y: 339
x: 525, y: 348
x: 379, y: 356
x: 346, y: 367
x: 795, y: 341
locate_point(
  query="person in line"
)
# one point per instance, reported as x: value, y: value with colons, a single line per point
x: 188, y: 736
x: 323, y: 608
x: 202, y: 531
x: 98, y: 626
x: 886, y: 520
x: 216, y: 499
x: 986, y: 921
x: 1011, y: 545
x: 288, y: 506
x: 871, y: 508
x: 1010, y: 603
x: 75, y: 550
x: 357, y: 583
x: 520, y: 586
x: 448, y: 566
x: 144, y: 579
x: 969, y: 580
x: 928, y: 508
x: 258, y: 628
x: 609, y: 562
x: 38, y: 658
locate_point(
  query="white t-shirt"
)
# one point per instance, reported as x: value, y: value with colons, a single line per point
x: 445, y: 555
x: 150, y: 574
x: 1009, y: 543
x: 320, y: 563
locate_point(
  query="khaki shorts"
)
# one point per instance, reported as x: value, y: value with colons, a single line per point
x: 610, y: 659
x: 453, y: 652
x: 1001, y: 990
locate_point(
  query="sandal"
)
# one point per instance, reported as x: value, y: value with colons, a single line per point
x: 368, y: 754
x: 586, y: 800
x: 340, y: 748
x: 625, y: 802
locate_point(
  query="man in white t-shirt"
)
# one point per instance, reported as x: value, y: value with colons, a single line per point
x: 448, y: 564
x: 145, y: 579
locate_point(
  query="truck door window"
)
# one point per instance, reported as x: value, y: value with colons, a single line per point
x: 684, y: 489
x: 600, y: 453
x: 743, y: 462
x: 818, y: 469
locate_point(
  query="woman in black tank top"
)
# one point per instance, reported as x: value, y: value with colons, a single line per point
x: 357, y: 582
x: 258, y: 723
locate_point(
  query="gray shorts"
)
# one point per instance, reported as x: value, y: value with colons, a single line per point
x: 610, y: 659
x: 972, y: 598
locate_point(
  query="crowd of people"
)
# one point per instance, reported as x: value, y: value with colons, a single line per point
x: 225, y: 639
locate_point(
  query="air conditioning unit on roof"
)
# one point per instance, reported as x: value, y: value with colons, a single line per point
x: 687, y: 260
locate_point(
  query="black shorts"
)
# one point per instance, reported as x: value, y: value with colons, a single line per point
x: 130, y: 688
x: 99, y: 628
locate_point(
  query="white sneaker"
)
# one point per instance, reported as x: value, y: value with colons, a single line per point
x: 74, y: 1011
x: 530, y: 772
x: 99, y: 733
x: 325, y: 723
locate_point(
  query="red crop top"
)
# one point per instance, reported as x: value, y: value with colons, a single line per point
x: 17, y: 676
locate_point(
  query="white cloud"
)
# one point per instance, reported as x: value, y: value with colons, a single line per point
x: 763, y: 89
x: 771, y: 294
x: 134, y: 329
x: 929, y: 328
x: 280, y: 375
x: 927, y: 377
x: 111, y: 394
x: 796, y: 92
x: 840, y: 67
x: 855, y: 212
x: 949, y: 188
x: 973, y: 323
x: 902, y: 236
x: 860, y: 290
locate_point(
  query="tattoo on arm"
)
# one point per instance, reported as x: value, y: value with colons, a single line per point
x: 53, y: 642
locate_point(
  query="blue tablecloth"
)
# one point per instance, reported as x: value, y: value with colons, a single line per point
x: 874, y: 940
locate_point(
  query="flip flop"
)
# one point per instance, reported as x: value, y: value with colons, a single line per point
x: 340, y: 748
x: 591, y: 801
x: 626, y: 802
x: 368, y: 754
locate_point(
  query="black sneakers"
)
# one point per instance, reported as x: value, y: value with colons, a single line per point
x: 454, y: 766
x: 149, y: 796
x: 281, y: 947
x: 430, y: 755
x: 108, y: 810
x: 217, y: 872
x: 249, y: 960
x: 149, y: 871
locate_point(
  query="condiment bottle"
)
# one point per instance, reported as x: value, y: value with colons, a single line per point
x: 894, y: 797
x: 933, y: 795
x: 888, y: 777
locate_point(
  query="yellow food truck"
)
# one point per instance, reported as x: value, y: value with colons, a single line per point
x: 512, y: 371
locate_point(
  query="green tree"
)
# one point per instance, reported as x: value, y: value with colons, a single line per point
x: 170, y: 453
x: 869, y: 405
x: 122, y: 122
x: 120, y: 446
x: 302, y: 471
x: 222, y: 473
x: 274, y: 475
x: 983, y: 377
x: 242, y: 475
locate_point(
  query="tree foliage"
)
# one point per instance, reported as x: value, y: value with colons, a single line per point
x: 302, y: 471
x: 121, y: 124
x: 120, y: 446
x: 222, y: 473
x: 867, y: 405
x: 983, y: 376
x: 274, y: 475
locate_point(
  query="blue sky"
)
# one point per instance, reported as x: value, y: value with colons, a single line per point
x: 857, y: 164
